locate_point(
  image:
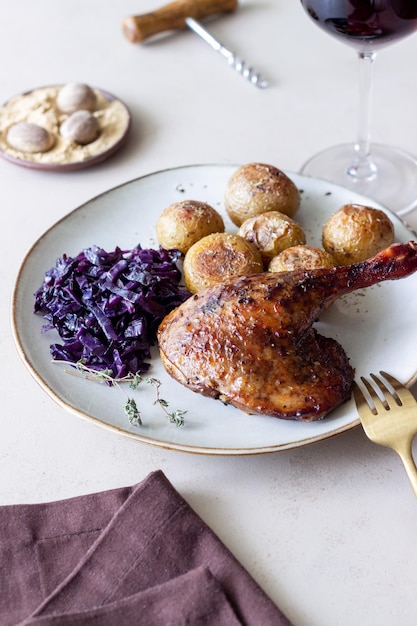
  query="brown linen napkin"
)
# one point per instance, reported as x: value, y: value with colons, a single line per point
x: 136, y: 555
x: 193, y: 598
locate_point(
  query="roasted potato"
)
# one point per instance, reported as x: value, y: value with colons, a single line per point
x: 217, y: 257
x: 256, y: 188
x: 301, y: 258
x: 272, y: 232
x: 181, y: 224
x: 355, y: 233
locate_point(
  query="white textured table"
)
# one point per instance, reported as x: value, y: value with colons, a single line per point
x: 329, y: 530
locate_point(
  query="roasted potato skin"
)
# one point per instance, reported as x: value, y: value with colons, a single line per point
x: 217, y: 257
x: 184, y: 223
x: 301, y: 257
x: 272, y: 232
x: 256, y: 188
x: 356, y: 233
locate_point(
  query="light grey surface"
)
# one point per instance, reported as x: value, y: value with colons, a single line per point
x: 328, y: 530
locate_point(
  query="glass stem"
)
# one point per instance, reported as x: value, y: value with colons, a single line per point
x: 363, y: 168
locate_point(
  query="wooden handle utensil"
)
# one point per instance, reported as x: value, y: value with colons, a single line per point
x: 172, y: 16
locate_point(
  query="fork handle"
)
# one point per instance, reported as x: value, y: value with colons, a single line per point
x: 172, y: 16
x: 410, y: 467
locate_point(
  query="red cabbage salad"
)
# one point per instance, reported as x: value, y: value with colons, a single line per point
x: 107, y: 306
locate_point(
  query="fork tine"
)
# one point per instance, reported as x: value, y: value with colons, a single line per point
x: 380, y: 405
x: 361, y: 402
x: 402, y: 392
x: 390, y: 398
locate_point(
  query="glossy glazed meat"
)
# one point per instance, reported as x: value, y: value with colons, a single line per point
x: 250, y: 342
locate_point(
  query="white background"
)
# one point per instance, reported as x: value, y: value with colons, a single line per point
x: 329, y: 531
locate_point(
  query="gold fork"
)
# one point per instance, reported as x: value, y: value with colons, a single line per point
x: 389, y: 417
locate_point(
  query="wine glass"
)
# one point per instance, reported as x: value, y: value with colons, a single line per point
x: 384, y: 173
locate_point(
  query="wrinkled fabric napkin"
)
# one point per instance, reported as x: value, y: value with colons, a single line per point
x: 131, y: 556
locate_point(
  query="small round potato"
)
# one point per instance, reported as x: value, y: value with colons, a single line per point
x: 272, y: 232
x: 256, y: 188
x: 301, y: 258
x: 217, y: 257
x: 356, y: 233
x: 184, y: 223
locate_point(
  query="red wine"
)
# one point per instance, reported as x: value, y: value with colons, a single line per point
x: 364, y: 24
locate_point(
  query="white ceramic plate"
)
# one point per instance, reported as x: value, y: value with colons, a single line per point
x: 376, y: 326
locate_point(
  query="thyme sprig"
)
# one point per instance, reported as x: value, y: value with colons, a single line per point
x: 134, y: 380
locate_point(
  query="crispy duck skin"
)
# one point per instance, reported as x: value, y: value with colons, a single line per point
x: 250, y: 341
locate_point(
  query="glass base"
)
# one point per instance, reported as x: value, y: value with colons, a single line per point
x: 394, y: 186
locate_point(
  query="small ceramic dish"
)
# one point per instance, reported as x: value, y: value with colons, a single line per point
x: 38, y: 106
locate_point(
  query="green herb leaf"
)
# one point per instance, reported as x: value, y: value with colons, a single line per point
x: 134, y: 380
x: 132, y: 412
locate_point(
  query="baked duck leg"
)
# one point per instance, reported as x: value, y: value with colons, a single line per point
x: 250, y: 341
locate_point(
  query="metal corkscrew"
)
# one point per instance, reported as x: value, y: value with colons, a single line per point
x: 238, y: 64
x: 186, y: 13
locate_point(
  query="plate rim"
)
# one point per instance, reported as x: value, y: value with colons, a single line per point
x: 168, y: 445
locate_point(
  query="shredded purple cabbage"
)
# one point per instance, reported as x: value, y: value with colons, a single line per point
x: 107, y: 306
